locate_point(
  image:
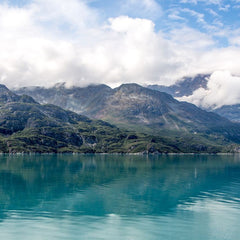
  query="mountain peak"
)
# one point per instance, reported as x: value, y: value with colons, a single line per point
x: 129, y: 85
x: 142, y: 109
x: 3, y: 88
x: 133, y: 88
x: 129, y: 88
x: 6, y: 95
x: 184, y: 86
x: 64, y: 85
x: 60, y: 85
x: 98, y: 86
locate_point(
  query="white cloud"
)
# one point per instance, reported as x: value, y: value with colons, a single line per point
x: 146, y: 8
x: 184, y: 13
x: 212, y: 12
x: 74, y: 14
x: 131, y: 52
x: 187, y: 38
x: 234, y: 36
x: 214, y: 2
x: 197, y: 15
x: 48, y: 42
x: 219, y: 3
x: 235, y: 40
x: 36, y: 49
x: 189, y: 1
x: 43, y: 44
x: 175, y: 15
x: 225, y: 7
x: 222, y: 89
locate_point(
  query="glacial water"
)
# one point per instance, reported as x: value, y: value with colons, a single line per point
x: 188, y: 197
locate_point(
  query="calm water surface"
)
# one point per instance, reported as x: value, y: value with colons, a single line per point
x: 120, y: 197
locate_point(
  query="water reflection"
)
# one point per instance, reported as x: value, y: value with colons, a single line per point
x: 115, y: 190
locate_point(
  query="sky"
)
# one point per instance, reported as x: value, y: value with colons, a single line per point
x: 82, y: 42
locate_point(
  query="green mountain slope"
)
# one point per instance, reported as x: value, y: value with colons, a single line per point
x: 141, y: 109
x: 27, y: 126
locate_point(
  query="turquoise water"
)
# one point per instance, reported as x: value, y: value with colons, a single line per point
x: 120, y: 197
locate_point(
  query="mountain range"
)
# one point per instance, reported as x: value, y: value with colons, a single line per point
x: 28, y: 126
x: 186, y: 86
x: 143, y: 110
x: 183, y: 87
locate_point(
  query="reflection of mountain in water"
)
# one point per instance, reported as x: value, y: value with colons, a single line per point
x: 112, y: 184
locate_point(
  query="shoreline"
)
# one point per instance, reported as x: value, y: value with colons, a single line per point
x: 122, y: 154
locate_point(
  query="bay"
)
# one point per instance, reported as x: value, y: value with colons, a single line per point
x: 120, y: 197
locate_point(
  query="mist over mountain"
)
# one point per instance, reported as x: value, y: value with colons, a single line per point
x: 183, y: 87
x: 218, y: 93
